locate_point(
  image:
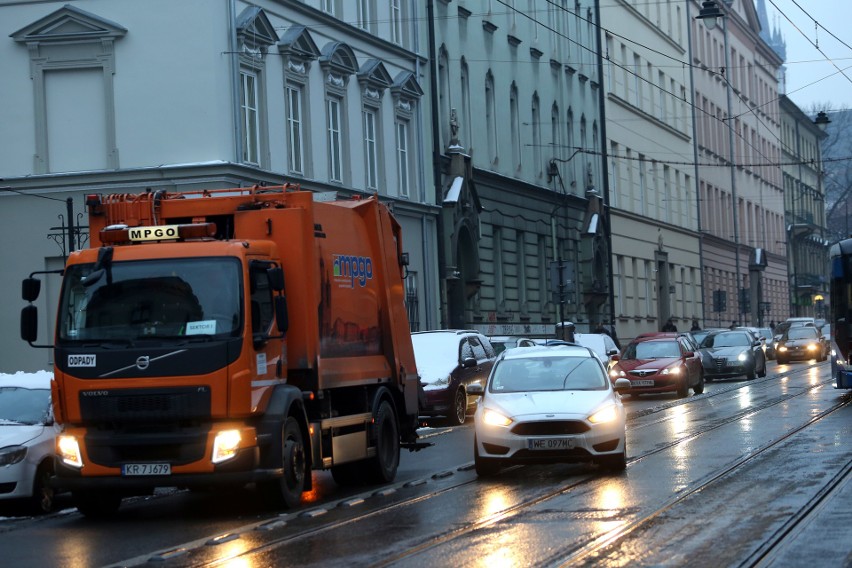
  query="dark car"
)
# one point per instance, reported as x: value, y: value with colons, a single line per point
x: 734, y: 353
x: 801, y: 344
x: 659, y: 364
x: 447, y: 362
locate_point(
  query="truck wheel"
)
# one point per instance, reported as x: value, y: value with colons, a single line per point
x: 96, y: 505
x: 458, y: 410
x: 293, y: 461
x: 382, y: 468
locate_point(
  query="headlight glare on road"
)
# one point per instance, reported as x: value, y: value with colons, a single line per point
x: 12, y: 454
x: 69, y: 451
x: 225, y: 445
x: 493, y: 418
x: 604, y: 415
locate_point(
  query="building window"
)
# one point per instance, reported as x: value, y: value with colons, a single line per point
x: 396, y: 17
x: 491, y: 118
x: 403, y: 157
x: 467, y: 133
x: 249, y: 116
x: 366, y: 15
x: 371, y: 151
x: 334, y: 139
x: 499, y: 273
x: 543, y: 273
x: 515, y: 124
x: 295, y: 129
x: 536, y: 135
x: 522, y: 273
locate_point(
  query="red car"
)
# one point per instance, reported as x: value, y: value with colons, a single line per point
x: 659, y: 364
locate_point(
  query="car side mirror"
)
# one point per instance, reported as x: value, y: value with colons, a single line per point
x: 475, y: 389
x: 621, y: 385
x: 615, y: 357
x: 469, y: 362
x: 689, y: 354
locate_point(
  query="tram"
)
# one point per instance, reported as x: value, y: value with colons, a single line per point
x: 840, y: 311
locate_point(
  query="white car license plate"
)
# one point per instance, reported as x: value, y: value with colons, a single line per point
x: 131, y: 469
x: 550, y: 444
x: 642, y: 383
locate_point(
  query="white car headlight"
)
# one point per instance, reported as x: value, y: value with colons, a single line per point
x: 12, y: 455
x: 604, y: 415
x: 672, y: 370
x: 493, y: 418
x: 742, y: 356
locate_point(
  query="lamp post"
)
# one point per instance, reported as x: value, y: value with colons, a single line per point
x: 710, y: 14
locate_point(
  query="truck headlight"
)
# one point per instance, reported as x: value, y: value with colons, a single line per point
x: 225, y: 445
x: 68, y: 449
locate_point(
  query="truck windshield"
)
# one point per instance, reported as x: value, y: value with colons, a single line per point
x: 151, y: 299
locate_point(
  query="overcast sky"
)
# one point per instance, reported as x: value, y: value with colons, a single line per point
x: 812, y: 79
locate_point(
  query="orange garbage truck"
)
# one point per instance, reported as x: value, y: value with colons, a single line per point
x: 230, y: 337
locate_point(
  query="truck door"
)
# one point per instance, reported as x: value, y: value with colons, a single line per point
x: 267, y: 353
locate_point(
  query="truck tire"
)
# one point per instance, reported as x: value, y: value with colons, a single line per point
x: 382, y: 467
x: 287, y: 490
x: 96, y: 505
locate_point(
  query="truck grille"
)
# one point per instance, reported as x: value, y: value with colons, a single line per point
x: 123, y: 406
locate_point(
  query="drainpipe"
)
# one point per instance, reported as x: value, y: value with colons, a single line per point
x: 235, y: 80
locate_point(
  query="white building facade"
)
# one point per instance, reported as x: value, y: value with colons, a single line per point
x: 738, y: 129
x: 118, y: 97
x: 656, y: 243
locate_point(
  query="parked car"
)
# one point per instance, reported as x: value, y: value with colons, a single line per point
x: 659, y: 364
x: 448, y: 362
x: 27, y: 435
x: 800, y: 344
x: 732, y: 353
x: 549, y: 405
x: 503, y: 342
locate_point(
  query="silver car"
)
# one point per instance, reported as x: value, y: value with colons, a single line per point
x: 549, y: 405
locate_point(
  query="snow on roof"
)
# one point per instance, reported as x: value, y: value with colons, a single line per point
x: 39, y: 379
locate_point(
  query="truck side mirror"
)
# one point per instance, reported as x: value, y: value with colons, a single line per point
x: 276, y: 278
x: 29, y: 323
x: 30, y: 289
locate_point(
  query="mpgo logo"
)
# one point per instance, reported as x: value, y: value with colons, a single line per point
x: 354, y: 268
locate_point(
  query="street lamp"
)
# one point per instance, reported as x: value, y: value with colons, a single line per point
x: 822, y: 120
x: 710, y: 14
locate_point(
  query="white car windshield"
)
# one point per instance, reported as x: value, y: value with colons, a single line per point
x: 532, y: 374
x: 20, y: 405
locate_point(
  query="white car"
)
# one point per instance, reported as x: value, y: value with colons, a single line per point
x: 549, y: 405
x: 27, y: 435
x: 602, y: 344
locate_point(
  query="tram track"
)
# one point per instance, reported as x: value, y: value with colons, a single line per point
x: 568, y: 555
